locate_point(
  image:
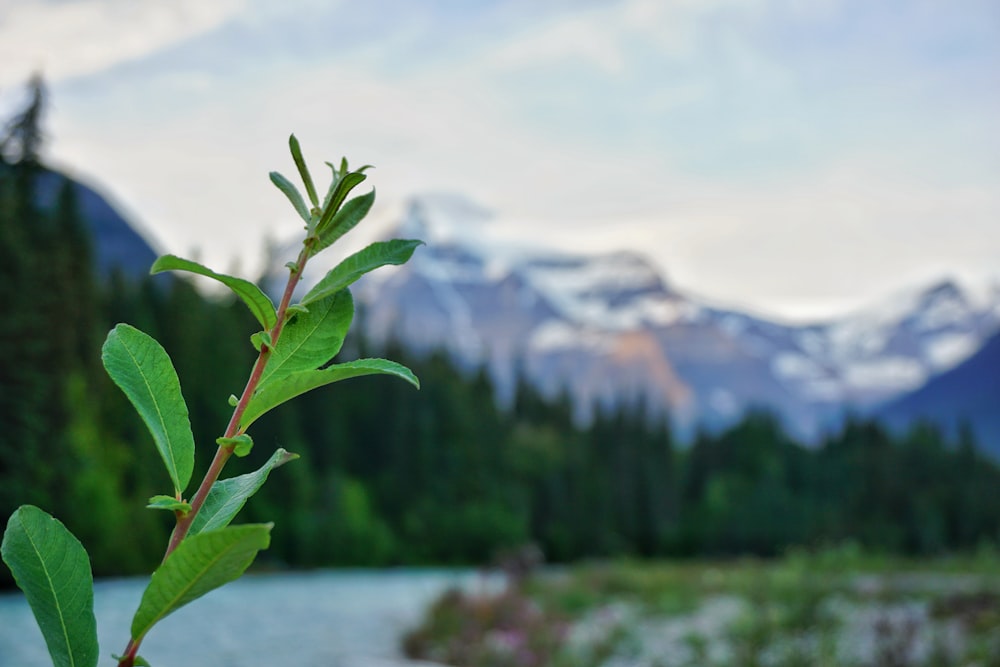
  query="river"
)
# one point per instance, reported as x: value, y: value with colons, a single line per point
x: 341, y: 618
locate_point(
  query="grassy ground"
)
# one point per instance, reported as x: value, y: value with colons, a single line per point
x: 834, y: 608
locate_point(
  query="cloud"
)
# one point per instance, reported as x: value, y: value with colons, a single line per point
x: 765, y: 151
x: 818, y: 243
x: 433, y: 132
x: 79, y: 37
x: 573, y: 39
x: 607, y: 35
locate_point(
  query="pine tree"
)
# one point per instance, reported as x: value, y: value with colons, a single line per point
x: 22, y: 140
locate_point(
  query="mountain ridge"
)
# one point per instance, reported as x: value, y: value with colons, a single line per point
x: 968, y: 394
x: 117, y: 242
x: 609, y: 326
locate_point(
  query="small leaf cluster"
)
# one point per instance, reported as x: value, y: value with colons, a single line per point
x: 295, y: 348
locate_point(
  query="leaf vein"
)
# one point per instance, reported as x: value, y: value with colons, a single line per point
x: 156, y: 404
x: 52, y: 587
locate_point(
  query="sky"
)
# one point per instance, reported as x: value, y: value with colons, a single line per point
x: 797, y: 158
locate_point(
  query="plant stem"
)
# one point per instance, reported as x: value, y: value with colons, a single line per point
x: 128, y: 658
x: 223, y: 453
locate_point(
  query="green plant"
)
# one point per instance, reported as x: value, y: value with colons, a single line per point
x: 295, y: 348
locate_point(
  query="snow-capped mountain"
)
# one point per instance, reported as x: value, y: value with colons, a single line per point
x: 608, y: 327
x: 896, y: 346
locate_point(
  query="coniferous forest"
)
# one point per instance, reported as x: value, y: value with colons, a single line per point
x: 391, y: 475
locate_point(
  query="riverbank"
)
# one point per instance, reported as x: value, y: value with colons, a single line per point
x: 834, y: 609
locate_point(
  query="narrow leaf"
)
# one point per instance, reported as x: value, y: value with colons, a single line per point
x: 286, y: 388
x: 168, y: 503
x: 142, y: 369
x: 200, y: 564
x: 311, y: 339
x: 226, y: 497
x: 258, y: 302
x: 336, y: 197
x: 380, y: 253
x: 53, y: 570
x: 300, y: 164
x: 345, y: 220
x: 292, y: 193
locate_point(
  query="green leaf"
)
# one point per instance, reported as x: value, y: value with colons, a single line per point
x: 53, y: 570
x: 345, y: 220
x: 258, y: 302
x: 142, y: 369
x: 286, y: 388
x: 292, y: 193
x: 300, y: 164
x: 199, y: 565
x: 311, y: 339
x: 226, y: 497
x: 335, y: 197
x: 260, y: 339
x: 168, y: 503
x: 241, y: 444
x: 380, y: 253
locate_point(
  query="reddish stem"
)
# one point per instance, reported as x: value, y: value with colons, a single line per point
x: 223, y: 453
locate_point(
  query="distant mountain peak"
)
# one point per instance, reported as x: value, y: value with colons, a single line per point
x: 444, y: 218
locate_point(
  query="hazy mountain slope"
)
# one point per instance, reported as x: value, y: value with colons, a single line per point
x: 117, y: 243
x: 970, y: 392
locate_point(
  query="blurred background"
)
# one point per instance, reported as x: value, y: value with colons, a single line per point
x: 708, y: 314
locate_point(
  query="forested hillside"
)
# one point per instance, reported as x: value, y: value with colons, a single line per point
x: 392, y: 475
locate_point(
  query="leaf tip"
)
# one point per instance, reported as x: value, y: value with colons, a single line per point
x: 284, y: 456
x: 157, y: 266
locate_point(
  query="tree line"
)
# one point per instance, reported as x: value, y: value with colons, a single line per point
x: 390, y: 475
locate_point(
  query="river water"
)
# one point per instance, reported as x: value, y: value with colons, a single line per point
x: 345, y: 618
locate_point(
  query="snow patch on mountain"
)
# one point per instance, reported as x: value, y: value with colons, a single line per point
x: 793, y: 365
x: 949, y: 350
x: 617, y: 292
x: 560, y: 335
x: 887, y: 374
